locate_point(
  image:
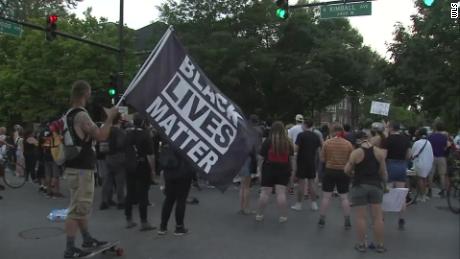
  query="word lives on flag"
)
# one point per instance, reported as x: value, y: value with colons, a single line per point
x: 191, y: 113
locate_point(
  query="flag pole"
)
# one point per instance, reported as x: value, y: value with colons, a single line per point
x: 148, y: 62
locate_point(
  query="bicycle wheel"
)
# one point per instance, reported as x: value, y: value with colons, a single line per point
x: 14, y: 175
x: 453, y: 193
x: 453, y: 199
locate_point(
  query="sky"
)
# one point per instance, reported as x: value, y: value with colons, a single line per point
x: 376, y: 29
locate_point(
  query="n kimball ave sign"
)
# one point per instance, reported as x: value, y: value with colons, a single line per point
x: 10, y: 28
x: 345, y: 10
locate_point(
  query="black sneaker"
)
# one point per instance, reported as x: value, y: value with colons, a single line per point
x: 347, y: 224
x: 93, y: 243
x: 430, y: 193
x: 104, y: 206
x: 2, y: 188
x: 401, y: 224
x: 180, y: 231
x: 112, y: 203
x: 75, y: 253
x: 193, y: 201
x: 321, y: 223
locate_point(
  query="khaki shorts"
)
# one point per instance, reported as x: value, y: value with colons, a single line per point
x: 81, y: 184
x: 439, y: 166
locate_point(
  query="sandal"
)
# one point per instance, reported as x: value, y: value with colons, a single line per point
x: 380, y: 249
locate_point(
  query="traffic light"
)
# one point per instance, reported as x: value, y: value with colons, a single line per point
x: 112, y: 89
x: 282, y: 11
x: 51, y: 26
x: 428, y: 3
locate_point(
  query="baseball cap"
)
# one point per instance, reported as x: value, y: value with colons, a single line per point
x: 299, y: 118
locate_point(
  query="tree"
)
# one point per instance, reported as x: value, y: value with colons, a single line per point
x: 25, y: 9
x: 279, y: 68
x: 426, y: 62
x: 36, y: 75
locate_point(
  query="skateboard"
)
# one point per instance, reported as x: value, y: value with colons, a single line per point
x: 111, y: 247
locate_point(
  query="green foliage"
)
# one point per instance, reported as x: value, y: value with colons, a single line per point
x: 273, y: 67
x: 426, y: 59
x: 36, y: 75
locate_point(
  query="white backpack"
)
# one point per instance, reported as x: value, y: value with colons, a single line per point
x: 68, y: 148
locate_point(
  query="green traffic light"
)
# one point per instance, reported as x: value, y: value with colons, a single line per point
x: 428, y: 2
x: 112, y: 91
x: 281, y: 13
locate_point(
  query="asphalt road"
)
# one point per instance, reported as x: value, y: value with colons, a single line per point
x: 216, y: 231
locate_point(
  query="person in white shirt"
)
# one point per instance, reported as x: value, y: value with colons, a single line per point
x: 422, y: 156
x: 2, y: 141
x: 293, y: 132
x: 457, y: 140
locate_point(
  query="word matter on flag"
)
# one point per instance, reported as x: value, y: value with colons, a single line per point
x: 193, y: 115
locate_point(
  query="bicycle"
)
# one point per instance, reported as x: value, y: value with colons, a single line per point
x: 453, y: 189
x: 13, y: 173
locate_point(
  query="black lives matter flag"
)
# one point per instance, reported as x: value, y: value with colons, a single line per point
x: 191, y: 113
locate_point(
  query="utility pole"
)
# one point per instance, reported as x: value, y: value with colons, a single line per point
x: 121, y: 54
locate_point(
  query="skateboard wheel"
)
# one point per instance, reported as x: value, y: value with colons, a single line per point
x: 119, y: 251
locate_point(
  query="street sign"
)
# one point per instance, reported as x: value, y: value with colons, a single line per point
x: 380, y: 108
x: 10, y: 28
x: 345, y: 10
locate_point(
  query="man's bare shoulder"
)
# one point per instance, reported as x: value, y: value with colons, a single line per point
x: 379, y: 153
x: 84, y: 122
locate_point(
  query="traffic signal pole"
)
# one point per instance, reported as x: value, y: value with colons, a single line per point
x: 121, y: 53
x: 63, y: 34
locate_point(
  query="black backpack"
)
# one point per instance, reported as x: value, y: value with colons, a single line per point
x: 169, y: 159
x: 134, y: 154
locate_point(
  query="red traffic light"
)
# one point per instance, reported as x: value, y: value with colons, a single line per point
x: 52, y: 19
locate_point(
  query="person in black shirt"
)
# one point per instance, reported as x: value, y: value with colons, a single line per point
x: 115, y: 161
x: 177, y: 174
x: 367, y: 167
x: 307, y: 145
x: 30, y: 154
x: 398, y: 149
x: 140, y: 166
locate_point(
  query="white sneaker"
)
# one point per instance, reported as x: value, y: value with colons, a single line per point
x: 283, y: 219
x: 297, y: 206
x: 421, y: 199
x: 259, y: 217
x: 314, y: 205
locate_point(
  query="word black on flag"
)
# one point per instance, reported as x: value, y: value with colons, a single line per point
x: 207, y: 128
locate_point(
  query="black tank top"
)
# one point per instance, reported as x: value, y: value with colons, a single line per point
x: 367, y: 171
x: 29, y: 149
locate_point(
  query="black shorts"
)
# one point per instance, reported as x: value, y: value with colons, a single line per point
x: 275, y: 175
x: 306, y: 171
x: 336, y: 178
